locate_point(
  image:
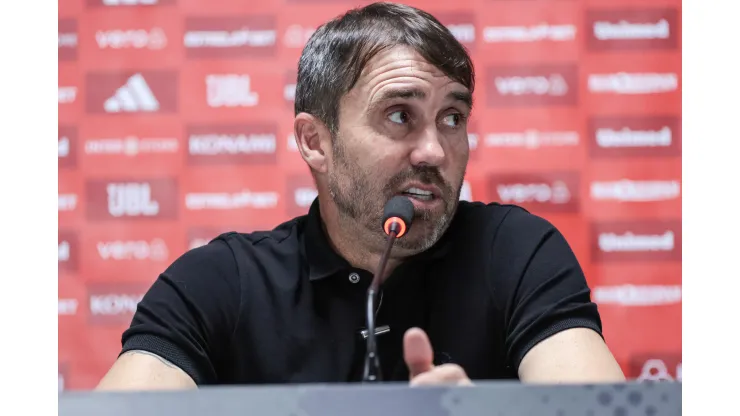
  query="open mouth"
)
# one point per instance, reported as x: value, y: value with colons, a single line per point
x: 419, y: 194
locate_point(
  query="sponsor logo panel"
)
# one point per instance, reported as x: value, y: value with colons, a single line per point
x: 67, y: 37
x: 628, y: 136
x: 627, y: 190
x: 138, y: 92
x: 222, y: 37
x: 252, y: 91
x: 553, y: 192
x: 69, y: 92
x: 656, y: 366
x: 246, y: 197
x: 532, y: 85
x: 114, y: 303
x: 622, y: 241
x: 633, y: 83
x: 112, y: 147
x: 300, y: 194
x: 68, y: 244
x: 462, y: 26
x: 132, y: 199
x: 67, y: 147
x: 232, y: 144
x: 637, y: 295
x: 632, y: 29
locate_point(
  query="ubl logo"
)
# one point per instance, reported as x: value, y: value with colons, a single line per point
x: 131, y: 199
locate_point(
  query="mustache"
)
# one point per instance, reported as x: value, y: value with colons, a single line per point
x: 428, y: 175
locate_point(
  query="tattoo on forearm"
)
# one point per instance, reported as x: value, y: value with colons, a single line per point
x: 165, y: 362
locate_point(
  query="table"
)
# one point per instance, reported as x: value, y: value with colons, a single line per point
x: 489, y: 398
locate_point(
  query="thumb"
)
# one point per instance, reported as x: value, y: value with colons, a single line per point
x: 417, y: 352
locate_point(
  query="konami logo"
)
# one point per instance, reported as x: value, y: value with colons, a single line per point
x: 118, y: 199
x: 114, y: 303
x: 629, y: 136
x: 230, y: 37
x: 539, y: 192
x: 632, y: 29
x: 232, y: 144
x: 532, y: 85
x: 636, y: 241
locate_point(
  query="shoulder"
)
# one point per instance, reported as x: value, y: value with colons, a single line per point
x: 502, y: 222
x: 228, y: 251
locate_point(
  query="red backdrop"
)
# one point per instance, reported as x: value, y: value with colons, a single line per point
x: 175, y: 121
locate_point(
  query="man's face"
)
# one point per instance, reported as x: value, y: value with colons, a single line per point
x: 402, y: 131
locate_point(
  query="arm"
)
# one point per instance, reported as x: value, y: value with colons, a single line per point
x: 143, y: 370
x: 182, y: 326
x: 553, y: 328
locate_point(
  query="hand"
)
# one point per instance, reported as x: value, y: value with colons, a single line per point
x: 417, y: 352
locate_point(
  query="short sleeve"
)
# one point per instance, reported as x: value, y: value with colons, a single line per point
x: 189, y: 314
x: 549, y: 293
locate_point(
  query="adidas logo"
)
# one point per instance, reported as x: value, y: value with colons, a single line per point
x: 134, y: 96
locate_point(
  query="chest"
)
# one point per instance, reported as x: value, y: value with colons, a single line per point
x: 312, y: 333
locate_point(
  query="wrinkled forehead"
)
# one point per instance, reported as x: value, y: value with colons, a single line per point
x: 401, y: 66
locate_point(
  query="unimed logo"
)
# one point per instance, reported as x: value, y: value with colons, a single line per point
x: 131, y: 92
x: 114, y: 303
x: 230, y: 36
x: 632, y: 29
x: 543, y: 192
x: 532, y: 85
x: 132, y: 199
x: 636, y: 241
x: 232, y: 144
x: 630, y: 136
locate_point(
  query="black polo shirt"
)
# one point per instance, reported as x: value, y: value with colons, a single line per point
x: 281, y: 306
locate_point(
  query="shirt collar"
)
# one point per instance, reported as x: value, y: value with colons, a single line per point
x: 323, y: 261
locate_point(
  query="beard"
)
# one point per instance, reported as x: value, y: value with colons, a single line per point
x: 360, y: 197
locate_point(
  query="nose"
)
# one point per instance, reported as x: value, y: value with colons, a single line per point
x: 428, y: 150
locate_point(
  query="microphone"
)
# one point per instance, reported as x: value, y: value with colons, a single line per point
x: 397, y: 216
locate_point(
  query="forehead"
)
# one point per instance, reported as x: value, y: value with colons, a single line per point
x: 400, y: 66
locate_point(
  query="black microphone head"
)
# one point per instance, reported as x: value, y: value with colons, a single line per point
x: 399, y: 208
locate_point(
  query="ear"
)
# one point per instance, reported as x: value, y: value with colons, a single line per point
x: 313, y: 140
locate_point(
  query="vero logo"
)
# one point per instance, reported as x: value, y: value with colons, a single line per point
x: 129, y: 93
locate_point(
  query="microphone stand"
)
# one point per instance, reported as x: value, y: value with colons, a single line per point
x: 372, y: 371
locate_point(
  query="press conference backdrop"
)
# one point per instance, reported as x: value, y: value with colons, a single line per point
x: 175, y: 124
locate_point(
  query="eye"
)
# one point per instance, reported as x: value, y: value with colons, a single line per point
x: 399, y: 117
x: 452, y: 120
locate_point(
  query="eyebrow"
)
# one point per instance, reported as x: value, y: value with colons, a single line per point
x: 413, y: 93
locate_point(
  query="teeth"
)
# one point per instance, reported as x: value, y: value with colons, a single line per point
x: 417, y: 191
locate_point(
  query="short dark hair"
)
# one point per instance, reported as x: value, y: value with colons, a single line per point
x: 335, y: 55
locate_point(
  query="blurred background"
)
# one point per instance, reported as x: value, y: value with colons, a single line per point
x: 175, y: 124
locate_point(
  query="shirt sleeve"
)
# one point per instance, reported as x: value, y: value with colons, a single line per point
x: 550, y: 294
x: 189, y: 314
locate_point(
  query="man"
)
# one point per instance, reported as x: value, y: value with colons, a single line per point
x: 473, y: 291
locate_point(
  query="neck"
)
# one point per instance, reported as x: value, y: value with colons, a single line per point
x: 352, y: 241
